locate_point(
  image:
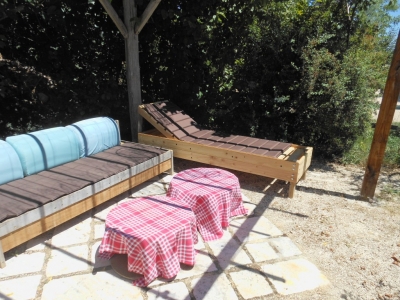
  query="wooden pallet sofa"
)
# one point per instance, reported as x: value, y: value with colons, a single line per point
x: 177, y: 131
x: 51, y: 176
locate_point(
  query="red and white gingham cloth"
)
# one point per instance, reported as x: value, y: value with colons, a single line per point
x: 214, y: 196
x: 157, y: 233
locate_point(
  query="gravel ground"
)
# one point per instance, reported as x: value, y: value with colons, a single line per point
x: 355, y: 244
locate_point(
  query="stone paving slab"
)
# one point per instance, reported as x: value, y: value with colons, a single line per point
x: 253, y: 228
x: 261, y: 251
x: 294, y: 276
x: 36, y: 243
x: 23, y: 264
x: 67, y: 260
x: 215, y: 286
x: 102, y: 285
x: 284, y: 246
x: 20, y: 288
x: 98, y: 231
x: 251, y: 283
x: 73, y: 232
x: 253, y: 259
x: 203, y: 265
x: 100, y: 213
x: 176, y: 291
x: 229, y: 252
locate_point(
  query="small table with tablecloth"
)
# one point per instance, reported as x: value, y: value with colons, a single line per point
x: 157, y: 233
x: 214, y: 196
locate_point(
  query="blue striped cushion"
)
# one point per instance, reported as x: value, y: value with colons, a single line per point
x: 45, y: 149
x: 10, y: 166
x: 96, y: 135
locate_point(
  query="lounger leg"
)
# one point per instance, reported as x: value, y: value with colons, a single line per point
x: 304, y: 176
x: 2, y: 258
x: 171, y: 171
x: 292, y: 188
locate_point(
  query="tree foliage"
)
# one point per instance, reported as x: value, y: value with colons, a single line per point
x: 299, y: 71
x: 62, y: 61
x: 292, y: 70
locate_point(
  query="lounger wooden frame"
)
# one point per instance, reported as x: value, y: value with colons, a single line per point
x: 291, y: 166
x: 18, y: 230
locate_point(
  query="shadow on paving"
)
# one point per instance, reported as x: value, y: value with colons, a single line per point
x: 326, y: 192
x: 207, y: 284
x: 250, y: 182
x: 234, y: 245
x: 5, y: 297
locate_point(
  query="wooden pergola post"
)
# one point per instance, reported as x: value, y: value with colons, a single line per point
x: 383, y: 125
x: 130, y: 30
x: 132, y: 68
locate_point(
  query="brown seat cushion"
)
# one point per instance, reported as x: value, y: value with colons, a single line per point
x: 180, y: 125
x: 22, y: 195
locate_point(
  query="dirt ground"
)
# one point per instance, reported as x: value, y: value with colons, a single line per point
x: 355, y: 244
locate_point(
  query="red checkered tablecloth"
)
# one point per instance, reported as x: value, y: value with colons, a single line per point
x: 157, y: 233
x: 213, y: 194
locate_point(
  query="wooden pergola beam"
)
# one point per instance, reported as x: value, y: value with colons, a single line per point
x: 130, y: 29
x: 151, y: 7
x: 383, y: 125
x: 114, y: 16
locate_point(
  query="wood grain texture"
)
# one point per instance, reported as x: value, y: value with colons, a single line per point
x: 291, y: 167
x: 154, y: 122
x: 34, y: 229
x: 33, y: 215
x: 132, y: 68
x: 383, y: 125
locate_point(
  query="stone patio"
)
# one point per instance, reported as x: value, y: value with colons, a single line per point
x: 253, y: 260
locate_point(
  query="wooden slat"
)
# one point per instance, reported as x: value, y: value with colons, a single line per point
x: 32, y: 230
x: 152, y: 121
x: 243, y: 166
x: 294, y: 155
x: 2, y: 258
x: 287, y: 153
x: 212, y: 151
x: 291, y: 166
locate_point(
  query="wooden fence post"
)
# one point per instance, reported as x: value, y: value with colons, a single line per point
x: 383, y: 125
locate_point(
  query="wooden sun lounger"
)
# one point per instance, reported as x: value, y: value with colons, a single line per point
x: 175, y: 130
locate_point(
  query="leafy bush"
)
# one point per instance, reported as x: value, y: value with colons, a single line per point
x: 336, y: 100
x: 27, y: 99
x: 297, y: 71
x: 358, y: 153
x: 62, y: 61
